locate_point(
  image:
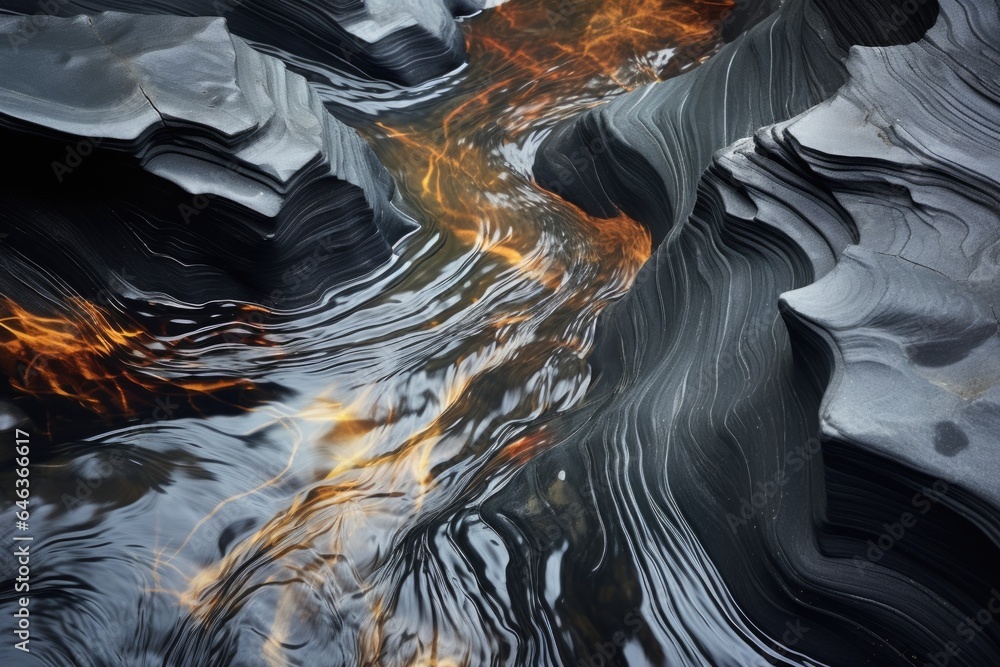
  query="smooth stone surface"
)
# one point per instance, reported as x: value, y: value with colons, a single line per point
x: 644, y: 152
x: 245, y: 169
x: 403, y: 41
x: 789, y: 456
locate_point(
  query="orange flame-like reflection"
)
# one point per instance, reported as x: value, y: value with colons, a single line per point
x: 534, y: 65
x: 80, y: 355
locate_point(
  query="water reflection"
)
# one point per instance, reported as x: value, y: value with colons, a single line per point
x: 280, y: 529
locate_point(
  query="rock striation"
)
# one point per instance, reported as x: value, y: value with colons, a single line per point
x: 406, y: 42
x: 789, y: 454
x: 644, y: 152
x: 168, y: 154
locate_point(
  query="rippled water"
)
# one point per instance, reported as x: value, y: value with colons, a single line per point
x: 256, y: 487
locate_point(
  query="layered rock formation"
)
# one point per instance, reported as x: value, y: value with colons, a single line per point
x: 403, y: 42
x: 164, y: 154
x: 788, y: 458
x: 643, y: 153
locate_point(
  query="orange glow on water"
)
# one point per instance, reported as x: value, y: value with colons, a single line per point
x: 535, y: 65
x: 80, y: 355
x: 609, y: 38
x: 531, y: 66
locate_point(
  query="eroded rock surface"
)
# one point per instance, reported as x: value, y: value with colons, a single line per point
x: 165, y: 154
x: 402, y: 41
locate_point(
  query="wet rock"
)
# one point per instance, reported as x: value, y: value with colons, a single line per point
x: 406, y: 42
x: 166, y: 155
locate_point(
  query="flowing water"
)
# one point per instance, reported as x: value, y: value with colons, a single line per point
x: 263, y: 480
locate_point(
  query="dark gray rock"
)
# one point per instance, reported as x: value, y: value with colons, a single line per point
x: 169, y: 150
x: 643, y: 153
x: 789, y: 455
x: 403, y: 41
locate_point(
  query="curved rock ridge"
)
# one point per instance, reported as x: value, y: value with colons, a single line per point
x: 167, y: 141
x: 644, y: 152
x: 788, y: 455
x: 909, y: 317
x: 406, y: 42
x: 744, y: 14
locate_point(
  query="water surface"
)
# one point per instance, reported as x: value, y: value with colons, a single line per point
x: 230, y: 480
